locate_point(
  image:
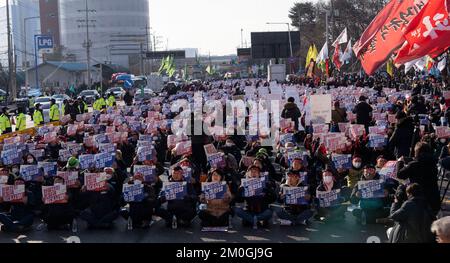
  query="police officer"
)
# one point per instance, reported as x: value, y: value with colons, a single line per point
x: 111, y: 101
x: 99, y: 103
x: 31, y: 105
x: 83, y: 105
x: 38, y: 117
x: 21, y: 120
x: 5, y: 122
x: 54, y: 111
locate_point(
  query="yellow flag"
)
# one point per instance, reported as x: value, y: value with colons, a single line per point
x: 312, y: 54
x: 390, y: 68
x: 308, y: 56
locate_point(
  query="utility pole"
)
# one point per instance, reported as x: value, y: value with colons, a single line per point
x: 141, y: 57
x: 242, y: 38
x: 88, y: 43
x: 11, y: 91
x: 300, y: 35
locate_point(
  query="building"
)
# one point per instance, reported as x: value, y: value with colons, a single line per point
x: 60, y: 74
x: 24, y: 18
x: 49, y: 13
x: 117, y: 29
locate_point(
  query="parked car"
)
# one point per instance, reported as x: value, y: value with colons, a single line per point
x: 59, y: 98
x: 44, y: 101
x: 117, y: 91
x: 89, y: 95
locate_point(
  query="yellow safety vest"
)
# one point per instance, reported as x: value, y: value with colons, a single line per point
x: 2, y: 123
x: 21, y: 122
x: 38, y: 118
x: 85, y: 107
x: 111, y: 101
x: 54, y: 113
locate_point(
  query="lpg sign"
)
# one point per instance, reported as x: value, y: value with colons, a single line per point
x: 44, y: 42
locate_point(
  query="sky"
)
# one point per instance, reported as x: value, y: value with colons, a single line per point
x: 214, y: 26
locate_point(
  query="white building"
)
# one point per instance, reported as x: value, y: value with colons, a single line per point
x: 120, y: 29
x: 20, y: 11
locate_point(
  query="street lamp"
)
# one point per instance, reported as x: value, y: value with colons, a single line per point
x: 25, y: 49
x: 289, y: 30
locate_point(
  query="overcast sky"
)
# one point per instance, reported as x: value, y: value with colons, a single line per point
x: 215, y: 25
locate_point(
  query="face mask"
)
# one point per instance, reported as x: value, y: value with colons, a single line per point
x: 30, y: 160
x: 357, y: 165
x: 328, y: 179
x: 443, y: 141
x: 228, y: 144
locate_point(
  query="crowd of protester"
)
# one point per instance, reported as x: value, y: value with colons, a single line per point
x: 412, y: 117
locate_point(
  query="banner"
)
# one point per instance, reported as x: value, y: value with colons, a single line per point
x: 253, y: 186
x: 38, y: 154
x: 87, y: 161
x: 30, y: 172
x: 96, y: 182
x: 148, y: 172
x: 174, y: 190
x: 13, y: 193
x: 49, y: 168
x: 295, y: 195
x: 70, y: 178
x: 103, y: 160
x: 214, y: 190
x: 210, y: 149
x: 371, y: 189
x: 442, y: 131
x: 356, y: 130
x: 342, y: 161
x: 133, y: 192
x: 183, y: 148
x: 329, y: 199
x: 55, y: 194
x: 320, y: 108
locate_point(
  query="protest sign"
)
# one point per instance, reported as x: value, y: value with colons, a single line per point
x: 295, y: 195
x: 174, y: 190
x: 209, y: 149
x: 100, y: 138
x: 103, y: 160
x: 70, y: 178
x: 216, y: 160
x: 107, y: 148
x: 11, y: 157
x: 342, y: 161
x: 96, y: 182
x: 356, y: 130
x: 389, y: 170
x: 344, y: 127
x: 285, y: 138
x: 371, y: 189
x: 253, y: 186
x: 74, y: 148
x: 72, y: 130
x: 377, y: 130
x: 30, y: 172
x: 13, y: 193
x: 55, y: 194
x: 145, y: 137
x: 87, y: 161
x: 214, y: 190
x: 377, y: 140
x: 64, y: 155
x: 88, y: 141
x: 329, y: 199
x: 145, y: 153
x: 133, y: 192
x: 296, y: 155
x: 48, y: 168
x: 442, y: 131
x: 183, y: 148
x: 320, y: 128
x: 320, y: 108
x: 144, y: 143
x: 148, y: 172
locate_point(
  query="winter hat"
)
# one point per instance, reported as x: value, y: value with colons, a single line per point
x: 72, y: 162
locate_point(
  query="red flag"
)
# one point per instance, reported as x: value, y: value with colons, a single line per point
x: 327, y: 67
x: 385, y: 33
x: 337, y: 57
x: 428, y: 33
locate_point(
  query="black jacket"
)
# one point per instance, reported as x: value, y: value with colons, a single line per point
x: 291, y: 111
x: 402, y: 137
x: 362, y: 111
x: 413, y: 222
x: 423, y: 171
